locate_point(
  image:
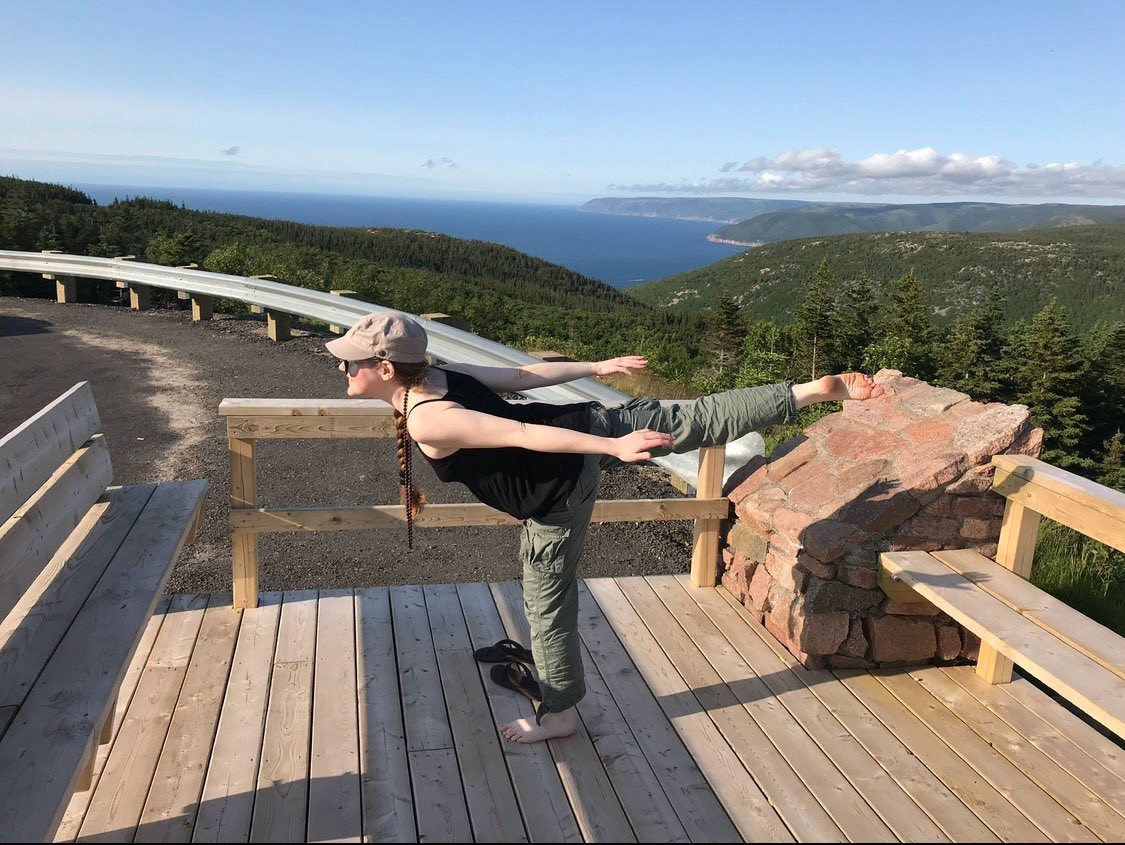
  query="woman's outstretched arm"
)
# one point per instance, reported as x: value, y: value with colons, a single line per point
x: 515, y: 379
x: 459, y: 428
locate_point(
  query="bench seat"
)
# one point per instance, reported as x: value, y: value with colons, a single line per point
x: 1081, y: 660
x: 82, y: 567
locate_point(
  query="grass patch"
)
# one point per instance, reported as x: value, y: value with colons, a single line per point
x: 1085, y: 574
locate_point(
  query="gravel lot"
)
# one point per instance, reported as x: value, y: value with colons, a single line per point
x: 158, y: 380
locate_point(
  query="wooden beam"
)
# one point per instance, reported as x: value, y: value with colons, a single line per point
x: 66, y: 289
x: 1016, y: 552
x: 1094, y: 509
x: 705, y: 537
x: 243, y: 494
x: 297, y: 428
x: 263, y: 520
x: 140, y: 297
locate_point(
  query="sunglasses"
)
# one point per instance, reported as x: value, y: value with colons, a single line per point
x: 352, y: 367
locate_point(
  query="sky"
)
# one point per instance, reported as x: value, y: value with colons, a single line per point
x: 873, y: 101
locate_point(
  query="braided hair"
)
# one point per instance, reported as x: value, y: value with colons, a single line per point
x: 408, y: 375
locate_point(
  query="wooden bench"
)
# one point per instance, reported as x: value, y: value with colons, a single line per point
x: 82, y: 566
x: 1018, y: 623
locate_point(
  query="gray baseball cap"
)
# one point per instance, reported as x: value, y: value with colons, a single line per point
x: 387, y: 335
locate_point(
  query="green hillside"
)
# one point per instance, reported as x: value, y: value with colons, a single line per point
x: 503, y: 294
x: 1083, y: 266
x: 823, y: 219
x: 719, y: 209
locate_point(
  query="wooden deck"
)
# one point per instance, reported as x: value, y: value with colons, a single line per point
x: 362, y: 715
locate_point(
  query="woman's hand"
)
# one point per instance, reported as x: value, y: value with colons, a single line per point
x: 639, y: 445
x: 620, y: 365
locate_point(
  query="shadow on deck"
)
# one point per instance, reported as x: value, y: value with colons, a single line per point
x: 362, y: 715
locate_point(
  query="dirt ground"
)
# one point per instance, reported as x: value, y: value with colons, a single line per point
x: 158, y: 380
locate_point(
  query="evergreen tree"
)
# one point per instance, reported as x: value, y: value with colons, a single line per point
x: 763, y: 356
x: 1048, y: 374
x: 817, y: 326
x: 857, y: 323
x: 1103, y: 350
x: 725, y: 338
x: 969, y: 359
x: 908, y: 327
x: 1111, y: 470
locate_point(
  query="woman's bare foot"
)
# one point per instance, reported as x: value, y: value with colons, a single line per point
x: 836, y: 389
x: 855, y: 386
x: 554, y: 725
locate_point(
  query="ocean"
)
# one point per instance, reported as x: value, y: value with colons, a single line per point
x: 621, y: 251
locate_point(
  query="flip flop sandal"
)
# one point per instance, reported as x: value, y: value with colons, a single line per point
x: 505, y: 651
x: 517, y: 678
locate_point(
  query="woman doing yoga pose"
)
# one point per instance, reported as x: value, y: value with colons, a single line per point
x: 540, y: 463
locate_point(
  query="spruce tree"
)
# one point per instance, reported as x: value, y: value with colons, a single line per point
x: 969, y: 358
x: 857, y: 322
x: 1103, y: 349
x: 725, y: 338
x: 763, y: 356
x: 1048, y: 376
x: 908, y: 327
x: 1111, y: 470
x: 817, y: 326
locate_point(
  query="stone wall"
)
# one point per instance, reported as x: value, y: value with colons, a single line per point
x: 909, y: 470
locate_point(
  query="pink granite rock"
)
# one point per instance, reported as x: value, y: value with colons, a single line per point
x: 897, y: 639
x: 859, y: 576
x: 990, y: 432
x: 975, y: 480
x: 759, y: 588
x: 864, y: 444
x: 948, y: 643
x: 923, y: 433
x: 1030, y: 443
x: 811, y: 564
x: 791, y: 456
x: 748, y: 543
x: 856, y: 643
x: 747, y: 480
x: 819, y: 633
x: 926, y: 473
x: 785, y: 572
x: 979, y: 529
x: 913, y: 608
x: 980, y: 507
x: 970, y: 648
x: 827, y: 539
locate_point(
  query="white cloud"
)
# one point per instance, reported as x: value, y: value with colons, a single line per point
x: 921, y: 172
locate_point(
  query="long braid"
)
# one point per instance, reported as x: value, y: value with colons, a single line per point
x: 412, y: 499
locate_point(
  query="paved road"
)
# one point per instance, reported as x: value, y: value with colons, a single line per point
x: 158, y: 380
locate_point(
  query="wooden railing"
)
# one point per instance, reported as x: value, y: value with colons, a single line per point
x: 250, y: 420
x: 1035, y: 489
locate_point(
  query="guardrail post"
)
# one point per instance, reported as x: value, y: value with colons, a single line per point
x: 202, y: 307
x: 1016, y: 551
x: 66, y: 287
x: 351, y: 294
x: 277, y: 325
x: 265, y: 277
x: 243, y: 494
x: 705, y: 538
x: 184, y: 295
x: 140, y: 296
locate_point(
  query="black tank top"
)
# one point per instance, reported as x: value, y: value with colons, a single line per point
x: 520, y: 482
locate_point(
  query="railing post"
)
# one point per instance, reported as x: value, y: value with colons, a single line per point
x: 66, y: 288
x: 140, y: 296
x: 1016, y: 551
x: 705, y: 542
x: 277, y: 325
x: 243, y: 494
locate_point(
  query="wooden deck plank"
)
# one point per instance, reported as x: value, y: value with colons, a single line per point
x: 939, y: 803
x: 792, y: 798
x: 1060, y: 747
x: 697, y: 810
x: 427, y: 723
x: 170, y: 808
x: 601, y: 818
x: 232, y: 772
x: 281, y: 801
x: 744, y: 802
x: 334, y: 788
x: 388, y: 806
x: 1109, y: 754
x: 848, y: 809
x: 493, y: 809
x: 1007, y: 779
x: 1075, y: 798
x: 992, y: 807
x: 895, y: 807
x: 547, y: 814
x: 80, y: 801
x: 115, y: 809
x: 439, y: 798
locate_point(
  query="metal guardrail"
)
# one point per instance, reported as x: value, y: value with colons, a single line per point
x: 446, y: 342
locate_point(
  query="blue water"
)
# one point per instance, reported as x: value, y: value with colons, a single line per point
x: 622, y: 251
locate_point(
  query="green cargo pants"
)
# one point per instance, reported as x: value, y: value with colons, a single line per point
x: 551, y: 546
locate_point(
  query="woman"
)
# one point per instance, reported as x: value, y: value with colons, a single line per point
x: 541, y: 463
